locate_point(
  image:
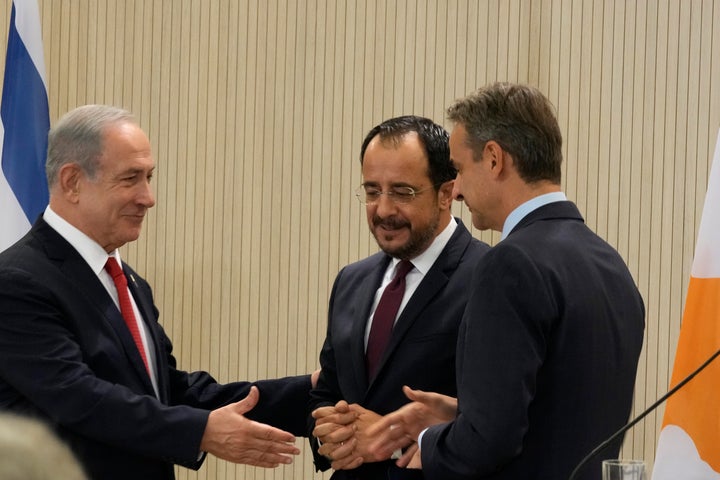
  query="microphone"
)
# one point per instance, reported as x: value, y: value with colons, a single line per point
x: 632, y: 423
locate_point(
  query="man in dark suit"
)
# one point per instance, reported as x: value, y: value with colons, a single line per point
x: 88, y: 356
x: 553, y: 329
x: 407, y: 191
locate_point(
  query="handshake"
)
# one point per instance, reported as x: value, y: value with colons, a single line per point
x: 350, y: 435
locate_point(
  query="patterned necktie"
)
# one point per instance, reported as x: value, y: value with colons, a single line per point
x: 384, y: 317
x: 126, y: 308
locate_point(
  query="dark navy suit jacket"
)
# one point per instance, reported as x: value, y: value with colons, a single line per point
x: 548, y: 352
x: 67, y: 358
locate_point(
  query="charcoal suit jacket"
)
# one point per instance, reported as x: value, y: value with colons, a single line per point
x: 421, y: 352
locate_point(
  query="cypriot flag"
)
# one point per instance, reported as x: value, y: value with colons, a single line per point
x: 689, y: 443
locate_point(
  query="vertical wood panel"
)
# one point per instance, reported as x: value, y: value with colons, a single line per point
x: 256, y: 111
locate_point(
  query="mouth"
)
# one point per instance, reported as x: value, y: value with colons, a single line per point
x: 386, y: 226
x: 389, y: 228
x: 139, y: 217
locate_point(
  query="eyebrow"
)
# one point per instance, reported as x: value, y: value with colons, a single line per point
x: 394, y: 184
x: 135, y: 171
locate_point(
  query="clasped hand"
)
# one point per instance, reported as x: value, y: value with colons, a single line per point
x: 351, y: 435
x: 341, y: 432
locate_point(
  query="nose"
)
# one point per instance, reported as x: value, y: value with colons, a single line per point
x: 145, y: 197
x: 456, y: 191
x: 384, y: 206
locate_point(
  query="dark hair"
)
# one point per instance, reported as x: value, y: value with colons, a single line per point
x: 433, y: 137
x: 521, y: 120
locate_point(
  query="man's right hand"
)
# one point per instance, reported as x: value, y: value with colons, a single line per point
x: 401, y: 428
x: 335, y: 430
x: 233, y: 437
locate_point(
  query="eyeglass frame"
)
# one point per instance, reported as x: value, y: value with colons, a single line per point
x: 394, y: 197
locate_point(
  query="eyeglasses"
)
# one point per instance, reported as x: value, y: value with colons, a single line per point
x: 368, y: 195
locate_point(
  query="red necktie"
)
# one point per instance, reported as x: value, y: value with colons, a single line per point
x: 384, y: 317
x: 126, y: 308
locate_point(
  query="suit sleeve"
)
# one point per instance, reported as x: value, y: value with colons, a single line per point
x: 282, y: 404
x: 42, y: 361
x: 327, y: 392
x: 500, y: 351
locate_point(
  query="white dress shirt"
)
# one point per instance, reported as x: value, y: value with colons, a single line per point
x: 422, y: 264
x: 96, y: 257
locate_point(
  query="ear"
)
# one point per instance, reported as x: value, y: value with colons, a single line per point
x: 497, y: 158
x: 445, y: 197
x: 69, y: 179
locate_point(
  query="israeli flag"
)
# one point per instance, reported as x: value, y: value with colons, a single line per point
x: 24, y: 125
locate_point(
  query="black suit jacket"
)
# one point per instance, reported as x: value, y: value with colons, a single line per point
x: 421, y: 353
x: 67, y: 358
x: 547, y: 356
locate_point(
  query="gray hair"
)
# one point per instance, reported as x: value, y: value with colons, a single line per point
x: 78, y: 138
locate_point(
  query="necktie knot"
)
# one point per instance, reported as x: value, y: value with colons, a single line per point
x: 401, y: 271
x: 403, y: 268
x: 115, y: 271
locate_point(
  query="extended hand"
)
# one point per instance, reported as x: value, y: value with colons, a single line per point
x: 231, y: 436
x: 365, y: 420
x: 401, y: 428
x: 411, y: 458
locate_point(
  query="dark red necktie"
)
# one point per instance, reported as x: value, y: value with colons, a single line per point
x: 384, y: 317
x: 126, y: 308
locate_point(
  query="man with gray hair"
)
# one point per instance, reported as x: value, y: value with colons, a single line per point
x: 80, y: 343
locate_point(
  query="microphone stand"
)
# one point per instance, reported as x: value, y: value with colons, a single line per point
x: 652, y: 407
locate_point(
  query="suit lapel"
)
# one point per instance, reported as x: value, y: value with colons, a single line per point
x: 79, y: 273
x: 434, y: 281
x: 364, y: 300
x: 147, y: 311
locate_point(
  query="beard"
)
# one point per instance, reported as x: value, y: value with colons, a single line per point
x: 420, y: 238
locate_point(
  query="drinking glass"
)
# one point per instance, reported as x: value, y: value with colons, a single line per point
x: 617, y: 469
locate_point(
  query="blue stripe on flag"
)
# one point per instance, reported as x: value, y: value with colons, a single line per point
x: 24, y: 113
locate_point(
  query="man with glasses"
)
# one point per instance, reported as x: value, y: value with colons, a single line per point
x: 416, y: 288
x: 551, y: 336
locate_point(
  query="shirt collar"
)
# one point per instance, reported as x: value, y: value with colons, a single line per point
x: 425, y: 260
x: 524, y: 209
x: 89, y: 249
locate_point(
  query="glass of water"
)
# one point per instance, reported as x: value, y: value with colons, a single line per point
x: 617, y: 469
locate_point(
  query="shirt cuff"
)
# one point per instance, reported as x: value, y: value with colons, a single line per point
x: 420, y: 439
